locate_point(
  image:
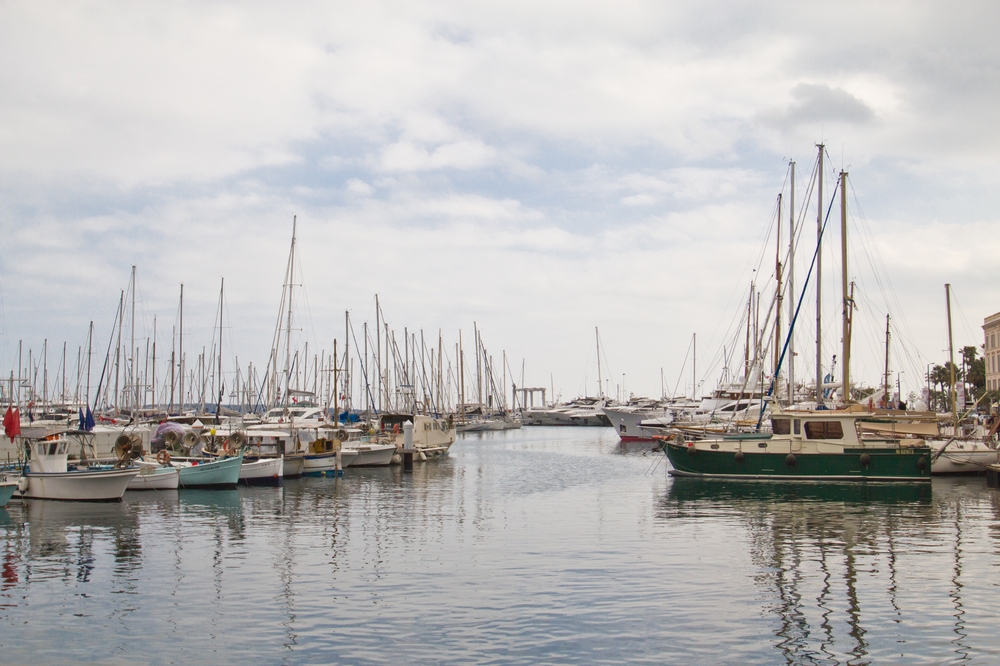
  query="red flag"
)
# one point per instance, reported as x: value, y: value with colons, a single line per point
x: 12, y: 423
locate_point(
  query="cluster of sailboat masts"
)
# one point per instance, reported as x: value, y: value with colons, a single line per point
x: 376, y: 369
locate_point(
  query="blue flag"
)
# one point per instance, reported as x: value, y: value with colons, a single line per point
x: 90, y: 420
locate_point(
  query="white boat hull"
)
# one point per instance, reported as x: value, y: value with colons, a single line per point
x: 262, y: 472
x: 371, y: 455
x: 293, y: 466
x: 156, y: 478
x: 324, y: 464
x: 963, y: 458
x: 97, y: 486
x: 223, y: 473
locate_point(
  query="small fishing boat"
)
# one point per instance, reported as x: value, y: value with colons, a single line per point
x: 368, y: 454
x: 155, y: 476
x: 361, y: 451
x: 262, y: 472
x: 209, y: 472
x: 293, y: 466
x: 47, y: 476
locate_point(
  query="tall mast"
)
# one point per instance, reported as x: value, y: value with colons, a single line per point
x: 885, y: 384
x: 288, y: 326
x: 951, y: 357
x: 90, y: 354
x: 694, y: 366
x: 819, y: 281
x: 461, y: 375
x: 777, y: 302
x: 153, y: 382
x: 218, y: 405
x: 791, y: 285
x: 180, y: 355
x: 131, y: 351
x: 347, y: 356
x: 378, y: 352
x: 336, y: 408
x: 600, y: 386
x: 846, y: 354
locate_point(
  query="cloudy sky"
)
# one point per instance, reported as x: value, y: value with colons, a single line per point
x: 537, y: 168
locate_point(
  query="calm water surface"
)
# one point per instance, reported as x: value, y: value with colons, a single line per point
x: 543, y: 545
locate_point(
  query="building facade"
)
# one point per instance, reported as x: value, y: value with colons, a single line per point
x: 991, y: 351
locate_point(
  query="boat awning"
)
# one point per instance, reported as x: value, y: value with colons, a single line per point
x: 920, y: 429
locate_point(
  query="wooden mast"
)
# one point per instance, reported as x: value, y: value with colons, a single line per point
x: 819, y: 281
x: 951, y: 358
x: 791, y: 286
x: 846, y: 354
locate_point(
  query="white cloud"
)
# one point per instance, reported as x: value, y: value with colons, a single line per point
x: 406, y: 156
x: 360, y: 187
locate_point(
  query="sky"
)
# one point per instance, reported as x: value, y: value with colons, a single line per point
x: 537, y: 170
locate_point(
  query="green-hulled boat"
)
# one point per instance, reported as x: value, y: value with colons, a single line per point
x: 804, y: 446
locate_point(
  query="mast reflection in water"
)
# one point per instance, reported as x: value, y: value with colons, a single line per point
x: 543, y: 545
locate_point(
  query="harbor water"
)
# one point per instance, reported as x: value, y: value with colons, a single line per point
x: 542, y: 545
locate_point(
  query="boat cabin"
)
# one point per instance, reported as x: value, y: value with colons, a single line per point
x: 48, y: 455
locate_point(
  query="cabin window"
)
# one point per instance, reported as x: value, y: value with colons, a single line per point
x: 781, y: 426
x: 824, y: 430
x: 52, y: 448
x: 798, y: 427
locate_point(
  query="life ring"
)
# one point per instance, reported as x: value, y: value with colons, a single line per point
x: 163, y: 457
x: 395, y: 429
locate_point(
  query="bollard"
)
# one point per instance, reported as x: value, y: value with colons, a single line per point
x: 407, y: 446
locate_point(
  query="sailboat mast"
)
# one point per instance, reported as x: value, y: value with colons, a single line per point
x: 791, y: 285
x: 180, y: 354
x: 288, y: 325
x: 951, y: 358
x: 461, y: 375
x: 600, y: 386
x: 131, y: 351
x: 90, y: 355
x: 846, y: 391
x: 819, y: 273
x: 153, y: 381
x: 347, y: 356
x: 694, y: 366
x: 885, y: 384
x: 777, y: 296
x: 218, y: 405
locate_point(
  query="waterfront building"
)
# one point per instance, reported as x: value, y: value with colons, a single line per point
x: 991, y: 351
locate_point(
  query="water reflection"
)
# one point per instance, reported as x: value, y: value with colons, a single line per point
x: 829, y: 558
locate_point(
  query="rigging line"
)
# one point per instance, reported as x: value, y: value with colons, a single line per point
x: 902, y: 324
x: 765, y: 234
x: 683, y: 366
x: 961, y: 312
x: 364, y: 370
x: 107, y: 355
x: 791, y: 324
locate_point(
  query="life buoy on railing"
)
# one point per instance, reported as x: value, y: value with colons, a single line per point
x: 395, y: 429
x: 163, y: 457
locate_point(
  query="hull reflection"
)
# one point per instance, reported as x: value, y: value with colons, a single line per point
x: 687, y: 489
